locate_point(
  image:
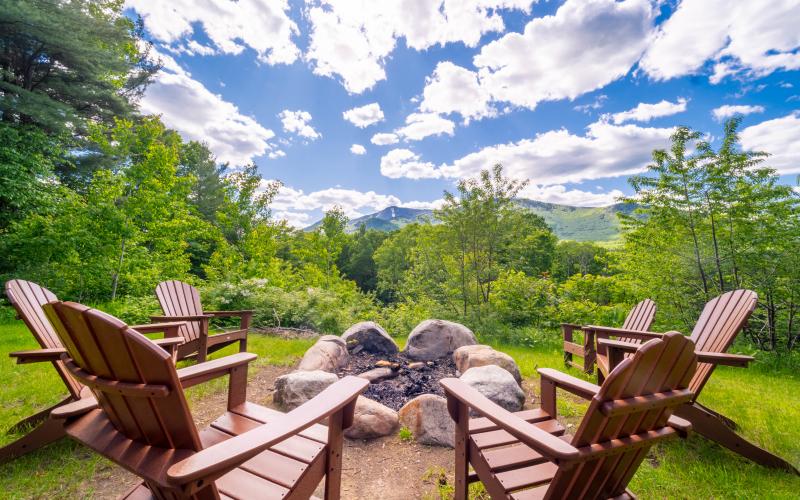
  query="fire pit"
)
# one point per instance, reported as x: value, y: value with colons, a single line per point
x: 396, y: 379
x: 404, y: 386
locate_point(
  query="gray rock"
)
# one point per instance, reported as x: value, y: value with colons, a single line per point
x: 496, y: 384
x: 328, y: 354
x: 294, y: 389
x: 378, y: 374
x: 436, y: 338
x: 471, y: 356
x: 371, y: 337
x: 372, y: 420
x: 427, y: 418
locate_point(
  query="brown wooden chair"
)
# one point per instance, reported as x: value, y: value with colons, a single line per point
x: 517, y: 456
x: 640, y: 318
x: 28, y: 299
x: 720, y: 321
x: 143, y: 422
x: 181, y: 302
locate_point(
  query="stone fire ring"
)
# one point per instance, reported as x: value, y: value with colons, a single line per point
x: 493, y: 373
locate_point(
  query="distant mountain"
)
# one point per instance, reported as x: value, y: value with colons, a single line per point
x: 568, y: 223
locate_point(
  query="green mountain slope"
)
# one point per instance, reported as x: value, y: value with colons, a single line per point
x: 569, y: 223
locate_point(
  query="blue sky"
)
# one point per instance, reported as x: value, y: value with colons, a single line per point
x: 367, y: 104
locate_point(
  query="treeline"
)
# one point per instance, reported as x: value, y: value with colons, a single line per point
x: 99, y: 204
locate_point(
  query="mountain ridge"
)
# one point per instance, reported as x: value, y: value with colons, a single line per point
x: 599, y: 224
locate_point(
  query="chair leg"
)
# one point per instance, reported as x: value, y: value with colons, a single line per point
x: 462, y: 453
x: 47, y: 432
x: 333, y: 461
x: 712, y: 427
x: 727, y: 421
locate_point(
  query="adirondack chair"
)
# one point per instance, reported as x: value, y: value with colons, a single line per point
x: 141, y: 420
x: 28, y: 299
x: 640, y: 318
x: 526, y: 455
x: 720, y: 321
x: 181, y: 302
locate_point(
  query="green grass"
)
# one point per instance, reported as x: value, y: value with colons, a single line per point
x: 763, y: 399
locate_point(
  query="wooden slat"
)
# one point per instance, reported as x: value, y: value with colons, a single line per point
x: 239, y: 483
x: 575, y: 349
x: 526, y: 477
x: 483, y: 424
x: 297, y: 447
x: 500, y: 437
x: 316, y: 432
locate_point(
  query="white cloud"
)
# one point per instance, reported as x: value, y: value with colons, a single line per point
x: 294, y: 219
x: 383, y: 139
x: 553, y: 157
x: 728, y: 111
x: 425, y: 205
x: 297, y: 122
x: 779, y: 138
x: 399, y: 163
x: 572, y: 197
x: 453, y: 89
x: 262, y: 25
x: 739, y: 37
x: 278, y: 153
x: 421, y: 125
x: 583, y: 47
x: 645, y: 112
x: 354, y: 203
x: 358, y: 149
x: 351, y: 39
x: 198, y: 114
x: 364, y: 116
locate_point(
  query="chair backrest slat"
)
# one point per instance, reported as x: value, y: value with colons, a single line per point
x: 657, y: 369
x: 181, y: 299
x: 720, y: 321
x: 104, y: 347
x: 28, y: 299
x: 640, y: 318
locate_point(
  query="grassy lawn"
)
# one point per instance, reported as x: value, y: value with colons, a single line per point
x: 763, y: 399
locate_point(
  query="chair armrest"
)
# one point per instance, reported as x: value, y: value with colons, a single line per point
x: 619, y: 345
x: 606, y: 331
x: 574, y: 385
x: 722, y: 358
x: 170, y: 328
x: 222, y: 314
x: 38, y: 355
x: 195, y: 317
x: 683, y: 426
x: 75, y: 409
x: 545, y: 443
x: 202, y: 372
x: 168, y: 342
x: 215, y: 461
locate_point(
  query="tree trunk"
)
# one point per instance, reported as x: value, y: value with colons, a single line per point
x: 115, y: 281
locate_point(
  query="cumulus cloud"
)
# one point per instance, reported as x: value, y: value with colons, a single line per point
x: 583, y: 47
x: 572, y: 197
x: 351, y: 39
x: 364, y: 116
x: 358, y: 149
x: 187, y: 106
x: 739, y: 37
x: 453, y: 89
x: 297, y: 122
x: 425, y: 205
x: 278, y: 153
x: 262, y: 25
x: 421, y: 125
x: 354, y: 203
x: 384, y: 139
x: 728, y: 111
x: 645, y: 112
x: 401, y: 162
x: 779, y: 138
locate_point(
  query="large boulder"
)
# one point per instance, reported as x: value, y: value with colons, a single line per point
x: 470, y: 356
x: 372, y: 420
x: 328, y: 354
x: 496, y: 384
x: 294, y: 389
x: 427, y: 418
x: 370, y: 337
x: 436, y: 338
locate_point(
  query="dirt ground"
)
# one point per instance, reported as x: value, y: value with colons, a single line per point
x: 385, y: 468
